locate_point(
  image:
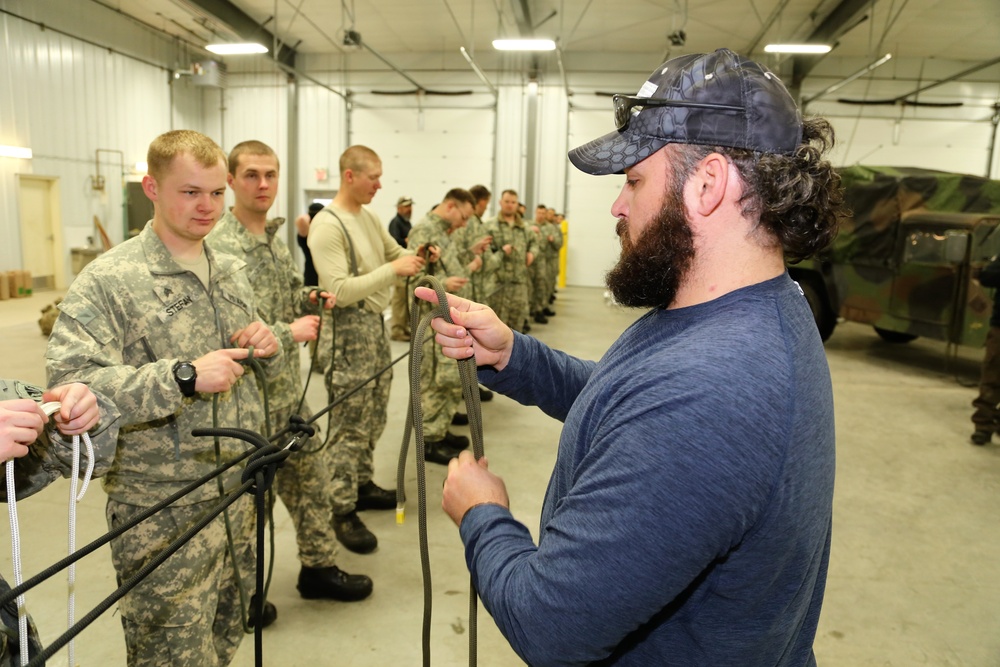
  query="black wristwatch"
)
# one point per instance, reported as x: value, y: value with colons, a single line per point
x: 185, y: 374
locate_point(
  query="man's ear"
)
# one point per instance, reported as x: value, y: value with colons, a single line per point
x: 711, y: 179
x: 229, y: 179
x: 149, y: 186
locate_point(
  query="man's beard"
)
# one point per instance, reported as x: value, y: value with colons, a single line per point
x: 651, y: 268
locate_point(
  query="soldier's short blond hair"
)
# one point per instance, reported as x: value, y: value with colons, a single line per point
x: 358, y: 158
x: 252, y: 147
x: 169, y: 145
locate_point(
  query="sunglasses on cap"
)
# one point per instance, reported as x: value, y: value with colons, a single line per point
x: 624, y: 104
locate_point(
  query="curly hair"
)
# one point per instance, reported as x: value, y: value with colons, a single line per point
x: 797, y: 198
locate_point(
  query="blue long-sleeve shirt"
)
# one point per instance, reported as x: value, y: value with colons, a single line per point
x: 687, y: 520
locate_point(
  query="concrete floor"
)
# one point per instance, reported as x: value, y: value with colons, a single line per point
x: 915, y: 572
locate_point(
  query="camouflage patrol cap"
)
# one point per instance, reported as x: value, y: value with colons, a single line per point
x: 712, y: 99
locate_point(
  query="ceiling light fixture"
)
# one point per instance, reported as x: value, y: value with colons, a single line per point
x: 236, y: 49
x: 524, y: 45
x: 797, y: 48
x: 15, y: 151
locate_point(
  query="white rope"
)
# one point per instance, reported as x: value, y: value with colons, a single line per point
x: 15, y: 536
x: 15, y: 540
x: 74, y: 498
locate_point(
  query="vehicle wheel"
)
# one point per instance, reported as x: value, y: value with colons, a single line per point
x: 825, y: 319
x: 894, y: 336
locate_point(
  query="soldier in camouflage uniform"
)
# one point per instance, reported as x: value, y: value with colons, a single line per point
x: 288, y: 308
x: 474, y: 239
x: 357, y: 261
x: 518, y: 247
x: 441, y: 386
x: 42, y: 456
x: 160, y: 324
x: 538, y: 272
x: 553, y: 241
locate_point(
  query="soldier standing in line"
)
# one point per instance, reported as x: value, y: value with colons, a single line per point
x: 160, y: 324
x: 439, y: 377
x: 474, y: 239
x: 553, y: 244
x: 518, y: 248
x: 538, y: 272
x: 399, y: 229
x: 288, y: 307
x: 358, y: 262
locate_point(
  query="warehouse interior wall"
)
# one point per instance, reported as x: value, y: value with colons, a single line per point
x: 87, y: 89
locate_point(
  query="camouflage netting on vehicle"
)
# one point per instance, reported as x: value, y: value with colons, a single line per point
x: 878, y: 197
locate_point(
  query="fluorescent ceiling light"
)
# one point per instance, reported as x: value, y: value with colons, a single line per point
x: 524, y: 45
x: 15, y: 151
x: 236, y: 49
x: 797, y: 48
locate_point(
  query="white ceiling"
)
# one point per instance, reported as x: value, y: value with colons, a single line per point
x: 955, y: 30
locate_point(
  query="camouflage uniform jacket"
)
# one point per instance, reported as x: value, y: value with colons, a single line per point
x: 51, y: 457
x: 126, y: 320
x: 281, y: 298
x: 433, y: 230
x: 484, y: 281
x: 551, y: 248
x: 514, y: 267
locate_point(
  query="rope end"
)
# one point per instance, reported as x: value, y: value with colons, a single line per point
x: 400, y: 514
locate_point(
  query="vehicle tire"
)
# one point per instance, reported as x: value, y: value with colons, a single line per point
x: 825, y: 319
x: 894, y: 336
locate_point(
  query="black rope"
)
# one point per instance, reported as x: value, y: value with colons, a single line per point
x: 262, y: 464
x: 137, y: 578
x: 80, y: 553
x: 414, y: 422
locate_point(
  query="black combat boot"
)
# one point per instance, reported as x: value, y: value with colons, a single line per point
x: 436, y: 451
x: 332, y: 583
x: 372, y: 497
x: 270, y: 613
x: 353, y: 533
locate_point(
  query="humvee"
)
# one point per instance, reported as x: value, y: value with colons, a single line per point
x: 905, y: 261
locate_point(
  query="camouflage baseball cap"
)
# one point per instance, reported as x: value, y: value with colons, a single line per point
x: 713, y: 99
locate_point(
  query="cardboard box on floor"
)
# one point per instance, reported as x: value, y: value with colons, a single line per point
x: 15, y: 284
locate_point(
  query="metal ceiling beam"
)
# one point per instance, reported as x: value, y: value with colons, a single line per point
x: 836, y: 23
x: 246, y: 27
x: 522, y: 15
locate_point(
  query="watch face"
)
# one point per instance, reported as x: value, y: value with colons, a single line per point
x: 185, y: 372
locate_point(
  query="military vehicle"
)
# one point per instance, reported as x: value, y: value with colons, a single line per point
x: 905, y: 261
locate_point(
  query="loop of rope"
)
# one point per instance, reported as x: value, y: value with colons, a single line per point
x: 15, y: 533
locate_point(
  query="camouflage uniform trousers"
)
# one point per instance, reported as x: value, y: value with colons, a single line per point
x: 440, y: 389
x: 360, y: 348
x: 510, y: 303
x: 553, y: 273
x: 187, y: 612
x: 321, y: 352
x: 986, y: 416
x: 303, y: 484
x: 539, y: 271
x: 400, y: 309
